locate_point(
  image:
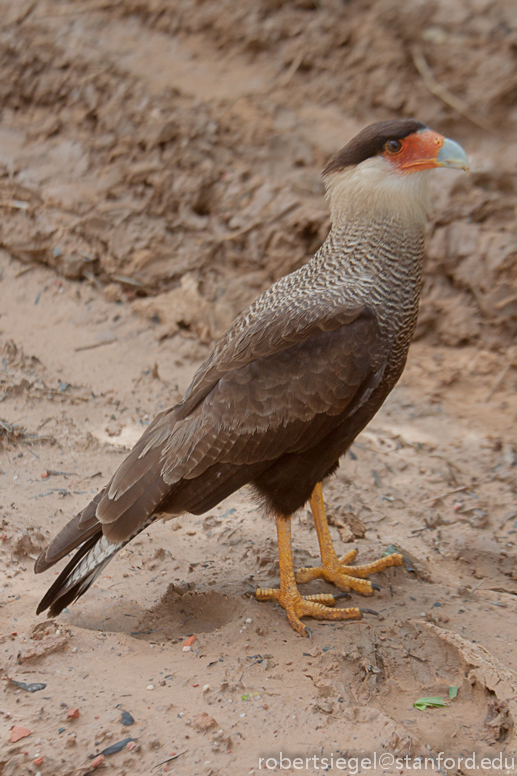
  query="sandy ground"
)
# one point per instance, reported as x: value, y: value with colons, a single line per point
x: 120, y: 263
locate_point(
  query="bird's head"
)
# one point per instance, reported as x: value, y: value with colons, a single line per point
x: 383, y: 170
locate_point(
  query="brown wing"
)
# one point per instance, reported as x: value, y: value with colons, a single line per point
x: 262, y: 331
x: 278, y: 403
x: 266, y: 391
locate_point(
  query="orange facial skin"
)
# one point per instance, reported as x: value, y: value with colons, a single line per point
x: 418, y: 151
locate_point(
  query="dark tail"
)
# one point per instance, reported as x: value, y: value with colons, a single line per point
x: 76, y: 577
x: 94, y: 552
x: 133, y: 512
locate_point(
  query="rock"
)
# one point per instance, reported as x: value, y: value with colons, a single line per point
x: 345, y: 534
x: 28, y: 687
x: 120, y: 745
x: 203, y: 722
x: 54, y: 642
x: 325, y: 707
x: 29, y: 544
x: 187, y: 644
x: 19, y: 732
x: 347, y: 524
x: 127, y: 719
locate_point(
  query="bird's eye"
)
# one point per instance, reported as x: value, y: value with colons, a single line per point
x: 393, y: 146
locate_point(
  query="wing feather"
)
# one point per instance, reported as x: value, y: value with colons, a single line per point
x: 268, y: 392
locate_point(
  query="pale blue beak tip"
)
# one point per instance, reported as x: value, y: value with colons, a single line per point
x: 452, y: 155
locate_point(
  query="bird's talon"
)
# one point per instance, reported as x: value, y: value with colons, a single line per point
x: 297, y: 606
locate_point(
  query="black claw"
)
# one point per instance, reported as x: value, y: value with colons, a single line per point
x: 375, y: 586
x: 337, y: 596
x: 369, y: 611
x: 250, y: 592
x: 408, y: 564
x: 309, y: 632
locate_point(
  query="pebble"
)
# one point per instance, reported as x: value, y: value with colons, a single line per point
x: 19, y: 732
x: 187, y: 644
x: 127, y: 719
x: 150, y: 686
x: 118, y: 747
x: 31, y: 687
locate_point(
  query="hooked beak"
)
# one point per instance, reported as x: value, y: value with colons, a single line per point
x: 426, y: 149
x: 452, y: 155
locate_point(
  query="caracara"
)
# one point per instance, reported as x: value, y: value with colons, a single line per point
x: 290, y: 384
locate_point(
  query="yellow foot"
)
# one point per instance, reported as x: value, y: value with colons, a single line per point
x: 316, y: 606
x: 336, y: 570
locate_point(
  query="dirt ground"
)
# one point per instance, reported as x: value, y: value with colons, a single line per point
x: 159, y: 167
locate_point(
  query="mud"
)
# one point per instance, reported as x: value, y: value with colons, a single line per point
x: 141, y: 142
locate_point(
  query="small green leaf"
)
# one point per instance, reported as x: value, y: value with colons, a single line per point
x: 249, y: 696
x: 453, y: 691
x: 429, y: 703
x: 390, y: 549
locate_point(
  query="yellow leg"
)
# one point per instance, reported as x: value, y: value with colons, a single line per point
x: 335, y: 569
x: 288, y: 596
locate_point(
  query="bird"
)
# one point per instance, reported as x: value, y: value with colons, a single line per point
x: 290, y: 384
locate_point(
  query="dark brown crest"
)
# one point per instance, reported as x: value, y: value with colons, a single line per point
x: 370, y: 142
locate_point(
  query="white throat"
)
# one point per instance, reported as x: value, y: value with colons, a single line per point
x: 374, y: 190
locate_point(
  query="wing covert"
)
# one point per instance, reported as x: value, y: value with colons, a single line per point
x: 279, y: 396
